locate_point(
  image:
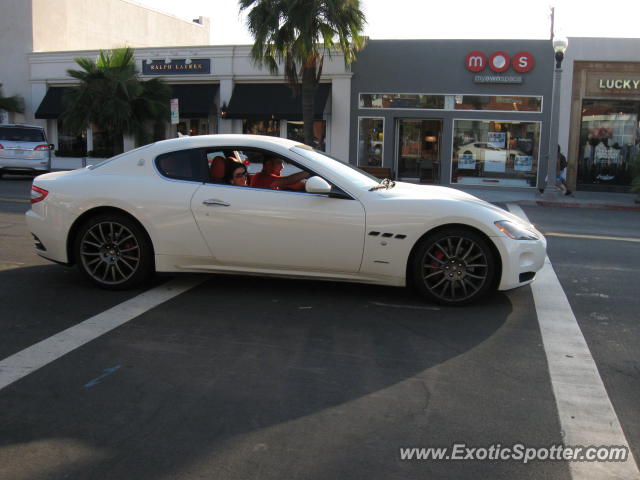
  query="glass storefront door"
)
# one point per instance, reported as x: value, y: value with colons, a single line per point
x: 418, y: 150
x: 609, y: 142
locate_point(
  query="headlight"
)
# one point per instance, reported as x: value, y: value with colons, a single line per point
x: 515, y: 231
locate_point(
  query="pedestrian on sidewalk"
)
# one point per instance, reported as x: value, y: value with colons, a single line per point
x: 561, y: 173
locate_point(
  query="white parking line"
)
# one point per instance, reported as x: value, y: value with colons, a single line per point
x: 586, y: 414
x: 30, y: 359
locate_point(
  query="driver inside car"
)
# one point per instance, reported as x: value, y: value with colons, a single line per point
x: 270, y: 176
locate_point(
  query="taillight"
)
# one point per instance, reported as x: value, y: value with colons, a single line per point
x: 38, y: 194
x: 42, y: 147
x: 1, y: 146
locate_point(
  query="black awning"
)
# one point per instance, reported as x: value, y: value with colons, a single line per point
x: 195, y: 100
x: 52, y: 105
x: 264, y: 101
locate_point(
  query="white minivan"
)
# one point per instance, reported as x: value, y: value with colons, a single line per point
x: 24, y: 149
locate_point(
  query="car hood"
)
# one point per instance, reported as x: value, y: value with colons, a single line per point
x: 412, y: 191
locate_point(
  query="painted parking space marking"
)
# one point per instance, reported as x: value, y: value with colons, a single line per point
x: 586, y: 414
x: 592, y: 237
x: 32, y: 358
x: 105, y: 374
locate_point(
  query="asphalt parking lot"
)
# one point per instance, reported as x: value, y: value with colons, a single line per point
x: 243, y: 377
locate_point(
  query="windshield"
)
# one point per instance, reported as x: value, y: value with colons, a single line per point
x: 346, y: 170
x: 21, y: 134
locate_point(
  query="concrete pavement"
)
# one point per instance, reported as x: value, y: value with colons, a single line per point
x: 531, y: 196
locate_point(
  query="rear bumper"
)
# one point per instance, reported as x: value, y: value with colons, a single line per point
x: 24, y: 165
x: 49, y: 234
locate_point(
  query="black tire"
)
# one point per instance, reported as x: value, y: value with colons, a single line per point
x: 113, y: 251
x: 453, y: 266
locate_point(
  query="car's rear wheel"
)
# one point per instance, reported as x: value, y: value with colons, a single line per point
x: 454, y: 266
x: 113, y: 251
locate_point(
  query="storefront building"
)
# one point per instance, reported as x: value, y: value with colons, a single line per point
x: 600, y: 112
x: 215, y: 89
x: 472, y: 112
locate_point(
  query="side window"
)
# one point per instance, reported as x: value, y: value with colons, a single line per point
x: 256, y: 160
x: 182, y: 165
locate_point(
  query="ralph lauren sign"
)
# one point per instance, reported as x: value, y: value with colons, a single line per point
x: 177, y: 67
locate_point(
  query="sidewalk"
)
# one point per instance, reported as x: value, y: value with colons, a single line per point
x: 531, y: 196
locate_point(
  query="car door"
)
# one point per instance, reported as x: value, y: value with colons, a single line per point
x: 279, y: 229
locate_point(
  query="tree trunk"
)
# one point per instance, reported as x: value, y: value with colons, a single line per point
x: 308, y: 94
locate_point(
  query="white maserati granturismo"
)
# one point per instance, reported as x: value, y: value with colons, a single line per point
x: 188, y: 205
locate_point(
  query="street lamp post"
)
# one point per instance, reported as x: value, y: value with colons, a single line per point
x: 559, y: 46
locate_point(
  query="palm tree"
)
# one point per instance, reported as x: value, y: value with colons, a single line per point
x: 298, y: 33
x: 13, y: 104
x: 113, y: 98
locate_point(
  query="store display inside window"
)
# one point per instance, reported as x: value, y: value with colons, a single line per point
x: 609, y: 139
x: 497, y: 153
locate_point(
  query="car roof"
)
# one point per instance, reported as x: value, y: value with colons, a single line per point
x: 239, y: 140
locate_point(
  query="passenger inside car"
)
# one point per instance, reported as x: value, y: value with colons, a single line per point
x: 270, y: 176
x: 236, y: 173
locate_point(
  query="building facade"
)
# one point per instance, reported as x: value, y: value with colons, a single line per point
x: 217, y: 89
x: 472, y: 112
x: 28, y: 26
x: 600, y: 112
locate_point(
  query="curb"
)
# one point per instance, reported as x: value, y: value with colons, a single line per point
x: 598, y: 206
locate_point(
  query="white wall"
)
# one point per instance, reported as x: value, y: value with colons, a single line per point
x: 15, y: 44
x: 589, y: 49
x: 101, y: 24
x: 47, y: 25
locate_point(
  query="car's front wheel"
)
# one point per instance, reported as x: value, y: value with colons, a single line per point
x: 454, y: 266
x: 113, y: 251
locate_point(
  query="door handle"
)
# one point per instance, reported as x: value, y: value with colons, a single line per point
x: 215, y: 202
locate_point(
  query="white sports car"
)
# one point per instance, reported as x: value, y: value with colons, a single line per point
x: 178, y: 206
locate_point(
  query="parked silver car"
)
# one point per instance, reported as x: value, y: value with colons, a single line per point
x: 24, y: 150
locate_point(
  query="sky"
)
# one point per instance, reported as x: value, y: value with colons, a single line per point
x: 482, y: 19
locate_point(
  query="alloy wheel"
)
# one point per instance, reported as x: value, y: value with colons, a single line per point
x: 110, y: 253
x: 455, y: 268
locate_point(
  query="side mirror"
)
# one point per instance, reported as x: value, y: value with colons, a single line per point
x: 317, y: 185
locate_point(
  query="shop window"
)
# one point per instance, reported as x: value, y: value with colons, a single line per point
x: 370, y: 141
x: 495, y: 153
x: 497, y: 103
x: 402, y: 100
x: 193, y: 126
x: 609, y: 140
x: 261, y: 127
x: 295, y: 131
x: 71, y: 144
x: 502, y: 103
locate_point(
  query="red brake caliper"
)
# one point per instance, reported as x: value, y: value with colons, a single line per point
x: 439, y: 255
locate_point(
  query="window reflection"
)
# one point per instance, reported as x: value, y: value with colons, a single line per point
x: 495, y: 153
x: 370, y: 141
x: 609, y: 140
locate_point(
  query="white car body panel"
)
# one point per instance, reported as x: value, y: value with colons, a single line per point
x: 271, y: 232
x: 279, y: 229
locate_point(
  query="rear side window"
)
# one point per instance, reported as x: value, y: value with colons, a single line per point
x: 21, y: 134
x: 182, y: 165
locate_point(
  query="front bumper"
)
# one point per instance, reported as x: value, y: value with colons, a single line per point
x: 521, y: 259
